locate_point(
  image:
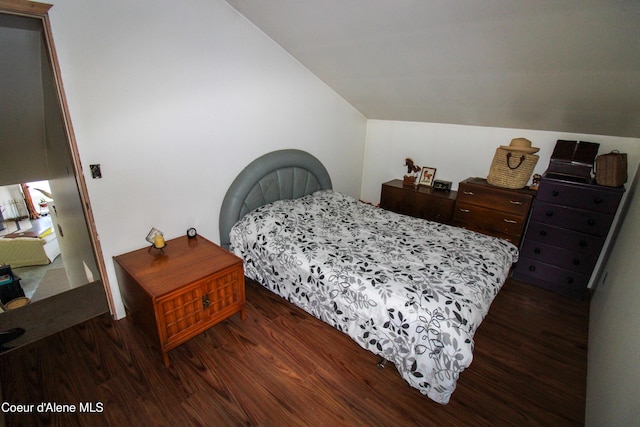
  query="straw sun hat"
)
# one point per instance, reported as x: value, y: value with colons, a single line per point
x: 521, y: 144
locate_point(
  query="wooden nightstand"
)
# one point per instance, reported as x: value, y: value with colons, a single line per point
x: 420, y: 202
x: 182, y: 292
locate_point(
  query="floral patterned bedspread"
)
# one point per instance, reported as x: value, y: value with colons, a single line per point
x: 409, y: 290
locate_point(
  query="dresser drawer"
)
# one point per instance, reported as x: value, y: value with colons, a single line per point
x: 435, y: 211
x: 396, y: 200
x: 563, y: 258
x: 488, y: 221
x: 433, y: 208
x: 420, y: 202
x: 559, y: 280
x: 563, y: 238
x: 594, y: 223
x: 513, y: 202
x: 591, y: 197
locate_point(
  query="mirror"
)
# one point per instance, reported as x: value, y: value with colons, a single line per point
x: 32, y: 241
x: 38, y: 150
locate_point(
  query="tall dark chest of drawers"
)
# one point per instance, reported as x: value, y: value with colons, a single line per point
x: 567, y: 228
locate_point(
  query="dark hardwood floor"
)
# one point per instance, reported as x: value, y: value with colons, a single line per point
x: 282, y: 367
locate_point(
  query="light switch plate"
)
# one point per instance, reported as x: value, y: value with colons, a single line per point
x: 95, y: 171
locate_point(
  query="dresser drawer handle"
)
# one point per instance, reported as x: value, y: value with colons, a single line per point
x: 515, y: 202
x: 582, y: 244
x: 465, y: 210
x: 549, y: 213
x: 597, y: 200
x: 576, y: 261
x: 543, y: 233
x: 532, y: 268
x: 591, y: 221
x: 555, y: 193
x: 537, y: 251
x: 510, y: 221
x: 468, y: 193
x: 569, y: 280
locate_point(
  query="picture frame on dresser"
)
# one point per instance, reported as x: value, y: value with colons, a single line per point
x: 427, y: 176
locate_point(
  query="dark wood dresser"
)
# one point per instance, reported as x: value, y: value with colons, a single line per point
x: 498, y: 212
x: 420, y: 202
x: 568, y: 226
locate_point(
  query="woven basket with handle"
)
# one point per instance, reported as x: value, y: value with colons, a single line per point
x: 511, y: 169
x: 611, y: 169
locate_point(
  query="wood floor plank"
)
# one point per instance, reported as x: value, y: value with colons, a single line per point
x: 281, y: 366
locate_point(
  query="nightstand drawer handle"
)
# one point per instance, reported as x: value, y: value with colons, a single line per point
x: 510, y: 221
x: 205, y: 301
x: 515, y: 202
x: 465, y: 210
x: 468, y: 193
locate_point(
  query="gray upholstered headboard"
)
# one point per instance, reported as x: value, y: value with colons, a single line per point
x: 283, y: 174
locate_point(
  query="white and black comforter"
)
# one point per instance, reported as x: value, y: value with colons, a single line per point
x: 409, y: 290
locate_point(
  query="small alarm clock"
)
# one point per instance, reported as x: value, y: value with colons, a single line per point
x: 442, y: 185
x: 191, y: 233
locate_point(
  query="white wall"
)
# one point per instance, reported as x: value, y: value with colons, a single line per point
x: 458, y: 152
x: 173, y: 100
x: 614, y: 347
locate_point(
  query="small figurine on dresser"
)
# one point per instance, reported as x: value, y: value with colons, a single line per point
x: 412, y: 171
x: 535, y: 182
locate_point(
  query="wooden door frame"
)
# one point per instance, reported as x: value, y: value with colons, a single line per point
x: 40, y: 11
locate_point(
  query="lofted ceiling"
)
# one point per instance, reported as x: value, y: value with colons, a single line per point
x: 568, y: 66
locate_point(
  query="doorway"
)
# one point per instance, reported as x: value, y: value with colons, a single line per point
x: 37, y: 144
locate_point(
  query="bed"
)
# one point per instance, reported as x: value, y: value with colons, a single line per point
x: 409, y: 290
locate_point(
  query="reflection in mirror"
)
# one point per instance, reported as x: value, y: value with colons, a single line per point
x: 29, y: 244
